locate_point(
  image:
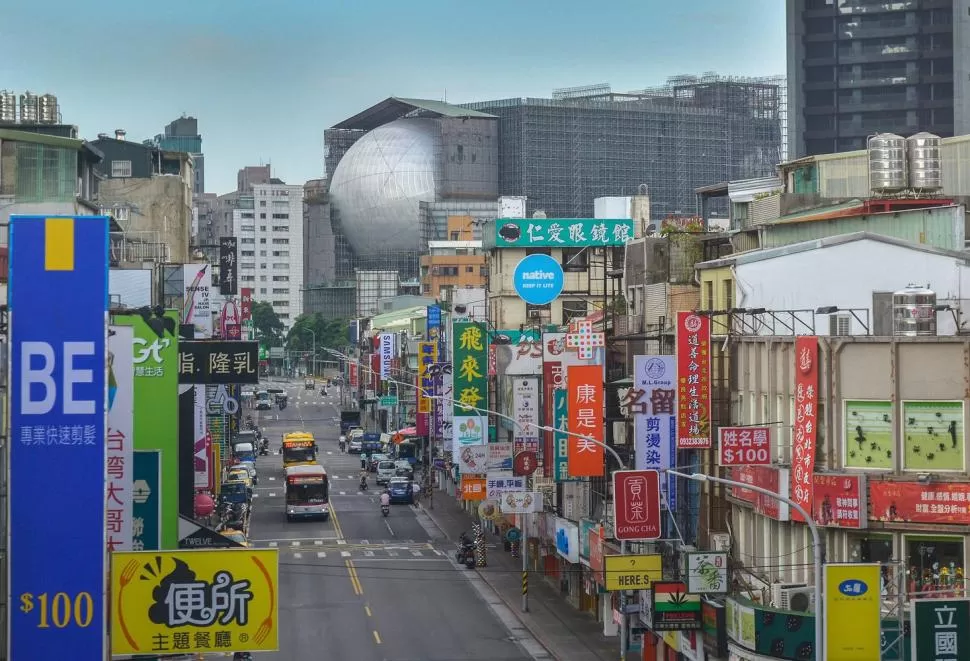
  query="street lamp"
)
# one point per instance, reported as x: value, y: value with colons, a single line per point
x: 816, y: 541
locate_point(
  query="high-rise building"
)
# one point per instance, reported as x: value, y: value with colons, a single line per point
x: 859, y: 67
x: 183, y: 135
x: 268, y: 223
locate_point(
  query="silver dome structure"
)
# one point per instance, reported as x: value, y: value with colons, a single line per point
x: 379, y: 182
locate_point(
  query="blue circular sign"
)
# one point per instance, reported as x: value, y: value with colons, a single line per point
x: 513, y: 535
x: 538, y: 279
x: 853, y: 587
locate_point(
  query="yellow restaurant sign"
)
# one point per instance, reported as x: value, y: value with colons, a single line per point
x: 632, y: 572
x: 852, y: 611
x: 180, y: 602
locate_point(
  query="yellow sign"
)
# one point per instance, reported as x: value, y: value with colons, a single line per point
x: 632, y: 572
x: 181, y: 602
x: 427, y: 356
x: 852, y: 600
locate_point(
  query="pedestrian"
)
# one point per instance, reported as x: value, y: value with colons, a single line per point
x: 416, y: 492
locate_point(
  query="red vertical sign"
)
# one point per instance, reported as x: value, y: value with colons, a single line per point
x: 246, y: 307
x: 694, y: 381
x: 805, y: 432
x: 353, y: 375
x: 375, y: 371
x: 552, y: 379
x: 584, y: 388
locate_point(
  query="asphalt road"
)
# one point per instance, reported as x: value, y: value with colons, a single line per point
x: 361, y: 587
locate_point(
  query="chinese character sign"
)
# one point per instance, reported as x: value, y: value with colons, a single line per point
x: 208, y: 362
x: 636, y: 503
x: 744, y: 446
x: 183, y: 602
x: 58, y: 303
x: 228, y: 275
x: 246, y: 303
x: 427, y: 356
x: 197, y: 304
x: 852, y: 611
x: 694, y: 379
x: 584, y: 388
x: 120, y: 442
x: 940, y: 629
x: 804, y: 432
x: 469, y: 368
x: 653, y: 403
x: 839, y: 501
x: 561, y: 232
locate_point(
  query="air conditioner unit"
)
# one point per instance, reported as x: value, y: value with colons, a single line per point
x: 777, y: 589
x: 535, y: 314
x: 721, y: 541
x: 798, y: 599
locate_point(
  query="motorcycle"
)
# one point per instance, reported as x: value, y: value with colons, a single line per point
x: 465, y: 555
x: 363, y: 483
x: 385, y: 510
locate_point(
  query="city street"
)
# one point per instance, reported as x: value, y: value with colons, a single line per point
x: 361, y: 587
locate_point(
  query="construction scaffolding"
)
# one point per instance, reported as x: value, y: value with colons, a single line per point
x: 590, y: 142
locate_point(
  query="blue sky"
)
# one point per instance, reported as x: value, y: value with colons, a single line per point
x: 266, y: 78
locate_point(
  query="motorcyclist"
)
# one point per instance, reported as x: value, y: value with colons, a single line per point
x: 342, y: 442
x: 363, y: 480
x: 385, y: 498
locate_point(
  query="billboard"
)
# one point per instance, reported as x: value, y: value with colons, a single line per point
x: 182, y: 602
x: 636, y: 505
x: 560, y: 232
x: 156, y: 401
x: 120, y: 442
x: 470, y: 382
x: 387, y: 341
x: 197, y: 302
x: 805, y: 425
x: 852, y: 611
x: 228, y: 275
x: 58, y: 303
x: 427, y: 356
x: 653, y: 404
x: 584, y: 388
x: 694, y: 381
x: 212, y: 362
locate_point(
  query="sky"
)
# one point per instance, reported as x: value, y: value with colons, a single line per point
x: 266, y: 78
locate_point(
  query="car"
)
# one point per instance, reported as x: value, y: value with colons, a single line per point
x: 240, y: 474
x: 355, y: 445
x: 400, y: 490
x: 237, y: 536
x: 354, y: 432
x: 250, y: 467
x: 309, y: 384
x: 385, y: 471
x: 403, y: 468
x: 375, y: 459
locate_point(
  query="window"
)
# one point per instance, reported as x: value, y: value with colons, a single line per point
x: 281, y: 304
x: 708, y: 301
x: 262, y: 253
x: 454, y: 236
x: 927, y: 558
x: 262, y: 290
x: 262, y: 203
x: 249, y: 241
x: 281, y: 290
x: 538, y: 251
x: 120, y: 169
x: 281, y: 253
x: 262, y: 240
x: 281, y: 216
x: 281, y: 242
x: 840, y: 324
x: 280, y: 228
x: 469, y: 269
x: 262, y: 216
x: 246, y: 215
x: 575, y: 259
x: 247, y: 228
x: 281, y: 278
x: 262, y: 228
x: 572, y: 310
x: 281, y: 265
x: 248, y: 253
x: 728, y: 286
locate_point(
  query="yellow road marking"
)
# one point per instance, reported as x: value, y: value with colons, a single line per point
x: 354, y: 580
x: 59, y: 244
x: 377, y: 638
x: 336, y: 522
x: 367, y: 610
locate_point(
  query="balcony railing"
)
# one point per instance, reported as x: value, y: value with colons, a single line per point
x: 128, y: 251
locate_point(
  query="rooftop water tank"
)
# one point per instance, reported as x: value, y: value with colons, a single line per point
x: 914, y: 311
x: 925, y: 162
x: 887, y: 163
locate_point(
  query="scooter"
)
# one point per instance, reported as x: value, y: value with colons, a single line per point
x: 385, y: 510
x: 363, y: 483
x: 465, y: 555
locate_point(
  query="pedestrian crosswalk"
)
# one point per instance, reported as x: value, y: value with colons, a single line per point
x: 342, y: 549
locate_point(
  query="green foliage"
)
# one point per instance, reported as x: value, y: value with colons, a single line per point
x: 268, y: 325
x: 330, y: 333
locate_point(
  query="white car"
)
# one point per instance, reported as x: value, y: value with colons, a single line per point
x: 386, y: 471
x: 356, y: 445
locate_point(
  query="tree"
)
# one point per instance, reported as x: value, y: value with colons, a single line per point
x: 330, y: 333
x: 269, y: 327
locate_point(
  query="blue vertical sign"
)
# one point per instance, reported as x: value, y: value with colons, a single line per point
x: 58, y: 302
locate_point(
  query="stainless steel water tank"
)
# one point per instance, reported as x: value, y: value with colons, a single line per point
x: 887, y: 163
x: 914, y: 311
x: 925, y: 156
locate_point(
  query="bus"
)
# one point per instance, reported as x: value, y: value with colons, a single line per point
x: 407, y: 450
x: 299, y: 448
x: 307, y: 492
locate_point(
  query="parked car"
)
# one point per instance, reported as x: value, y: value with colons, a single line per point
x: 375, y: 459
x: 355, y: 445
x: 401, y: 492
x: 309, y: 384
x: 385, y: 471
x: 403, y: 468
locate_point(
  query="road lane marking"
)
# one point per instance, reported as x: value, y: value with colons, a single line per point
x: 368, y: 554
x: 367, y: 610
x: 297, y: 555
x: 295, y: 543
x: 389, y: 529
x: 274, y: 543
x: 416, y: 554
x: 341, y: 541
x: 345, y: 554
x: 272, y: 495
x: 377, y: 638
x: 353, y: 581
x: 318, y: 542
x: 321, y: 554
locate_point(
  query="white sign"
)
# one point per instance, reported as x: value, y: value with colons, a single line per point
x: 201, y: 456
x: 521, y: 502
x: 387, y: 353
x: 499, y: 457
x: 500, y: 482
x: 518, y: 358
x: 119, y: 455
x: 707, y: 572
x: 654, y: 414
x: 197, y: 304
x: 468, y: 430
x: 525, y: 408
x: 473, y: 459
x: 567, y: 540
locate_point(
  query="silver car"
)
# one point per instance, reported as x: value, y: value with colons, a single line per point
x: 386, y: 470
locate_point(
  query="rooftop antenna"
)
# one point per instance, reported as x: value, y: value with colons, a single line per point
x: 445, y: 99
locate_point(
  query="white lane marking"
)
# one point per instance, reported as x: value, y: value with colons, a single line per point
x: 272, y: 494
x: 417, y: 554
x: 297, y: 555
x: 294, y: 543
x: 393, y: 554
x: 365, y: 541
x: 321, y: 554
x: 345, y: 554
x: 369, y: 554
x: 272, y: 479
x: 389, y: 529
x: 341, y: 541
x: 437, y: 552
x: 274, y: 544
x: 318, y: 542
x: 343, y: 493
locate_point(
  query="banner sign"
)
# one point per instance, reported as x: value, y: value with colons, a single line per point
x: 433, y: 322
x: 744, y: 446
x: 839, y: 501
x: 470, y: 382
x: 521, y: 502
x: 805, y: 423
x: 197, y: 304
x: 228, y: 275
x: 209, y: 362
x: 500, y: 482
x: 767, y: 477
x: 246, y: 303
x: 146, y: 495
x: 202, y: 447
x: 940, y: 629
x: 120, y: 442
x: 674, y: 608
x: 707, y: 572
x: 472, y: 487
x: 562, y: 232
x: 188, y: 602
x: 427, y: 356
x: 584, y: 385
x: 852, y: 611
x: 632, y: 572
x: 517, y: 353
x: 58, y: 305
x: 694, y: 378
x: 653, y: 403
x: 387, y: 342
x: 636, y: 505
x: 912, y: 502
x: 473, y: 459
x: 561, y: 440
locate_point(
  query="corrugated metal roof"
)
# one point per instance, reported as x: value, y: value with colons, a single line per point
x: 41, y: 139
x: 745, y: 190
x: 444, y: 109
x: 397, y: 317
x: 394, y: 107
x: 825, y: 213
x: 817, y: 244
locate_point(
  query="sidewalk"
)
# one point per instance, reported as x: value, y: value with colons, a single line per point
x: 566, y: 633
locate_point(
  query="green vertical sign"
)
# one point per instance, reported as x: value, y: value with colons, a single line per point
x: 146, y: 515
x: 470, y: 378
x: 560, y: 442
x: 156, y: 405
x: 940, y: 629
